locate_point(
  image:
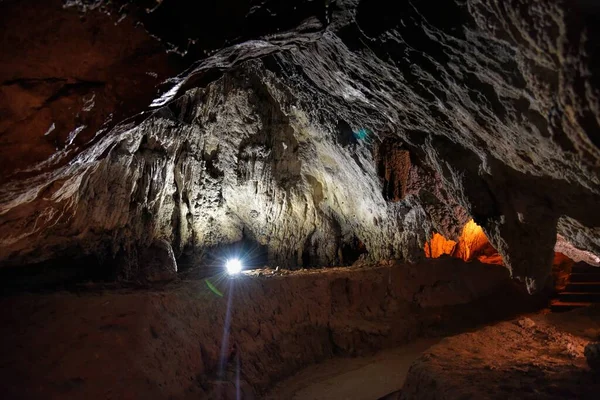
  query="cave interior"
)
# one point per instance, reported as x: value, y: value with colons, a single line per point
x: 301, y: 199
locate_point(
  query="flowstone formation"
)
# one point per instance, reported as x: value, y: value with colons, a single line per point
x: 329, y: 130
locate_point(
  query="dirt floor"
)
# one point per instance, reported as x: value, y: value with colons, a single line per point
x: 362, y: 378
x: 221, y: 337
x: 538, y: 357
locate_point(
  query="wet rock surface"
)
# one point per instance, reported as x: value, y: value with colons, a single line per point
x: 272, y: 138
x: 188, y: 340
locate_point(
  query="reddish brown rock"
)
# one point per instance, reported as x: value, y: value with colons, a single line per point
x: 176, y: 341
x: 541, y: 357
x: 64, y: 76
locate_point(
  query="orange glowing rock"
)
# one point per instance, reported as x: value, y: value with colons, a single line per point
x: 472, y: 241
x: 438, y: 246
x: 472, y: 244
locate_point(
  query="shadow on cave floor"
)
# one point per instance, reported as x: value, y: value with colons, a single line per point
x: 66, y: 273
x: 369, y: 377
x: 90, y: 273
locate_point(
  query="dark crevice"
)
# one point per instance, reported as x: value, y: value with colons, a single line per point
x: 393, y: 165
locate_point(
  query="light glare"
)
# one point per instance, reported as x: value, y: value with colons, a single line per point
x: 233, y: 266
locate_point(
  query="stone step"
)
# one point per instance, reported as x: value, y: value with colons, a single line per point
x: 583, y: 287
x: 584, y: 277
x: 561, y: 306
x: 592, y: 297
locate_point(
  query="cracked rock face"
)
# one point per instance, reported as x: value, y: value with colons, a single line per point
x: 325, y: 132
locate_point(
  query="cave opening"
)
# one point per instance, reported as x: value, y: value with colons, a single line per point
x: 278, y: 199
x: 472, y: 244
x: 571, y: 284
x: 251, y: 254
x: 351, y: 251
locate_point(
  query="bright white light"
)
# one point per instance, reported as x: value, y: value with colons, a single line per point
x: 233, y: 266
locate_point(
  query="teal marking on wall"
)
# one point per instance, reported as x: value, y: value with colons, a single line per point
x: 362, y: 134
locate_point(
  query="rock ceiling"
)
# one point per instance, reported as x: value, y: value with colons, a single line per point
x: 320, y: 130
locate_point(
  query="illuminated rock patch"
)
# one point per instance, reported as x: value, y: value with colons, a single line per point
x: 472, y: 244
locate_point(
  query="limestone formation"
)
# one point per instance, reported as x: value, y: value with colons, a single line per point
x: 321, y: 130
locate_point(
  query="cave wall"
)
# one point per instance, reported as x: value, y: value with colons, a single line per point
x: 496, y: 104
x: 185, y: 341
x: 237, y: 160
x: 67, y: 78
x: 501, y: 99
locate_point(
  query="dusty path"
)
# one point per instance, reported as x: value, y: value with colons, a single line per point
x: 535, y: 357
x: 361, y: 378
